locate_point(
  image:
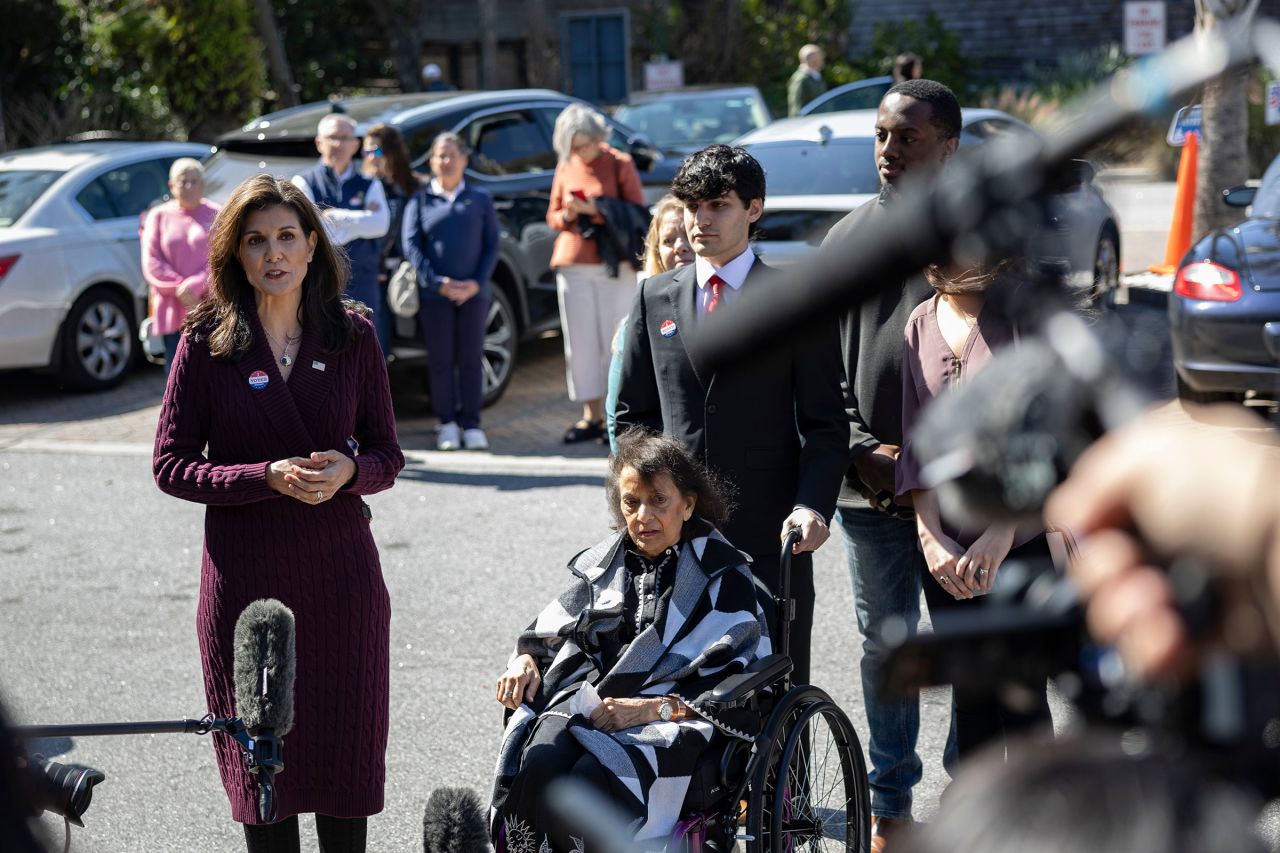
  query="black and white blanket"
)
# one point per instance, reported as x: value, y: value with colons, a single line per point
x: 707, y: 627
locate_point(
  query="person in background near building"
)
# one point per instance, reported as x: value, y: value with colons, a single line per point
x: 665, y: 248
x: 433, y: 79
x: 175, y: 252
x: 592, y: 299
x: 772, y: 424
x: 450, y: 235
x: 355, y: 212
x: 385, y: 157
x: 917, y: 130
x: 806, y: 83
x: 907, y: 66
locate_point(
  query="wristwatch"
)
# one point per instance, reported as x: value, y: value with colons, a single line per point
x: 666, y: 709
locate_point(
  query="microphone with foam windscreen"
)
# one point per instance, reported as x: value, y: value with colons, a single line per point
x: 264, y: 666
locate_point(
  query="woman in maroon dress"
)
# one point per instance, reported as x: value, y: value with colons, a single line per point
x: 284, y: 383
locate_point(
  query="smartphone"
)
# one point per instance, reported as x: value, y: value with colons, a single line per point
x: 578, y: 194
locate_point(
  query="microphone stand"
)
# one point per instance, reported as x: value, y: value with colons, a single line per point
x: 262, y: 751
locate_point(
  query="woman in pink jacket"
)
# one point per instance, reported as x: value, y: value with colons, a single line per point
x: 175, y: 251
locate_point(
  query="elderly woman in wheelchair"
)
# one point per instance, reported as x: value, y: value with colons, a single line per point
x: 653, y: 653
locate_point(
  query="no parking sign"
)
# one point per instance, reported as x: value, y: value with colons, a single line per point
x: 1273, y: 102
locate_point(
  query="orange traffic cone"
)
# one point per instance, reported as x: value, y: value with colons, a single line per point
x: 1184, y: 204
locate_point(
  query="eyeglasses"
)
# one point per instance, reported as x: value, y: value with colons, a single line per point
x: 373, y: 152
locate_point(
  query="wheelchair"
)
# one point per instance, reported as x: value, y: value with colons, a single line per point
x: 801, y: 784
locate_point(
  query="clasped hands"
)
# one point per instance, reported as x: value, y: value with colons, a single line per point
x: 521, y: 681
x: 311, y: 479
x: 966, y: 572
x: 458, y: 290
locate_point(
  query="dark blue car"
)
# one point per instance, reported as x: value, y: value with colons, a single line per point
x: 1224, y: 313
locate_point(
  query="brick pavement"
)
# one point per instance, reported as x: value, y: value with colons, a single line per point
x: 527, y: 421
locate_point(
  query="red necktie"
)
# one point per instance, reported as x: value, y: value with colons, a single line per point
x: 717, y: 284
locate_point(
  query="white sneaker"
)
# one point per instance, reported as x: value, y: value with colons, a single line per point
x: 474, y: 439
x: 447, y: 437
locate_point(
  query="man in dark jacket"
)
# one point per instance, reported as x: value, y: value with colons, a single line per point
x: 772, y: 425
x: 917, y: 131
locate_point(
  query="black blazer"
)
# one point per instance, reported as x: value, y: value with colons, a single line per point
x: 773, y: 425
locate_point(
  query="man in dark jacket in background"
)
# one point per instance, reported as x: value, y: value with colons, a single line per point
x: 917, y: 131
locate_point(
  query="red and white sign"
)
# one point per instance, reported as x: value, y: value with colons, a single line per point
x: 1144, y: 28
x: 663, y: 75
x: 1273, y: 102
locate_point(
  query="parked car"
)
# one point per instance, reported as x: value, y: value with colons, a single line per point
x: 71, y: 287
x: 820, y: 167
x: 682, y: 121
x: 1224, y: 312
x: 859, y: 95
x: 509, y: 133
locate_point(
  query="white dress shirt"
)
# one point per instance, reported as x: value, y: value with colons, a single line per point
x: 733, y: 274
x: 344, y: 225
x: 438, y: 189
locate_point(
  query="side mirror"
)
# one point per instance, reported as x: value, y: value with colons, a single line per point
x: 1239, y: 196
x: 643, y: 152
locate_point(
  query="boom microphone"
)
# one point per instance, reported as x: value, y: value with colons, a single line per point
x: 264, y: 666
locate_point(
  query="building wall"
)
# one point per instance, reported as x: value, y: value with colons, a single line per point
x: 1005, y: 35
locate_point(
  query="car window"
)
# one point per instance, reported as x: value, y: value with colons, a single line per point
x: 865, y: 98
x: 127, y: 190
x: 508, y: 143
x: 842, y: 166
x: 694, y: 122
x: 419, y: 143
x: 619, y: 138
x: 1267, y: 200
x: 19, y: 189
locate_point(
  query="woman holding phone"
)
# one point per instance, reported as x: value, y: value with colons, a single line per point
x: 592, y: 300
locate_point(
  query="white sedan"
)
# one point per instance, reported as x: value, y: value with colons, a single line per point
x: 71, y: 287
x: 820, y: 167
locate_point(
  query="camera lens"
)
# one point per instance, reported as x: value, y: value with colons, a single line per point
x: 65, y: 789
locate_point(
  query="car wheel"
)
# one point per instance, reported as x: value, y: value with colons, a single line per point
x: 1189, y: 395
x: 501, y: 340
x: 1106, y: 269
x: 98, y: 341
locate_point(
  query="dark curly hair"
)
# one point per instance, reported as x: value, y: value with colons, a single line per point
x: 944, y: 108
x: 651, y: 455
x: 715, y: 170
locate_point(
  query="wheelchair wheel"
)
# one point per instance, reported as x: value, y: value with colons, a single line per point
x: 810, y: 791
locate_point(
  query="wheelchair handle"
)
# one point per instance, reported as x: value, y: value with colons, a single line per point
x: 785, y: 603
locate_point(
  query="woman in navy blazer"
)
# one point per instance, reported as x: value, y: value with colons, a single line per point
x: 450, y: 235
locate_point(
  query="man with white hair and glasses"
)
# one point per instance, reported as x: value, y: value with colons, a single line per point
x: 355, y: 212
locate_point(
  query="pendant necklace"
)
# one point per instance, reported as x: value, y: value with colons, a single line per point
x: 289, y: 341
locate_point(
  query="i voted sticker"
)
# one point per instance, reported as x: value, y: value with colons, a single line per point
x: 258, y: 380
x: 667, y: 329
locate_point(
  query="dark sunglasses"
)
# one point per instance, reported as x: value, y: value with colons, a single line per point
x: 373, y: 152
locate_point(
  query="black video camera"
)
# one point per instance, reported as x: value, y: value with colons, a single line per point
x: 64, y: 789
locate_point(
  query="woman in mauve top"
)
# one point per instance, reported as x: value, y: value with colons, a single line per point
x: 175, y: 251
x: 592, y: 302
x: 948, y: 338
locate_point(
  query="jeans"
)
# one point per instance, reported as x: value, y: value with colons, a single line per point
x: 885, y: 565
x: 170, y: 350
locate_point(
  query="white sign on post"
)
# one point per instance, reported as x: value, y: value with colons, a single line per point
x: 1273, y: 102
x: 1144, y: 29
x: 663, y: 75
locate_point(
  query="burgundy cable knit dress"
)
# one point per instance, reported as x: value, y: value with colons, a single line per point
x: 319, y: 560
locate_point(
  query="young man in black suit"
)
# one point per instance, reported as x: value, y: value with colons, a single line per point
x: 772, y: 425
